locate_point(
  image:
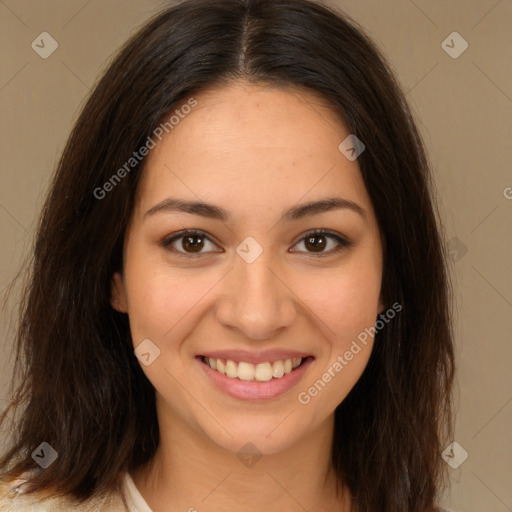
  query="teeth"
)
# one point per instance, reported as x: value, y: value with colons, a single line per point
x: 231, y: 369
x: 278, y: 369
x: 261, y: 372
x: 245, y: 371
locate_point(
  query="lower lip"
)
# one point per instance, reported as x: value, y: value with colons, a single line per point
x: 254, y: 390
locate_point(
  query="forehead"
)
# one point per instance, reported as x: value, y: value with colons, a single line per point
x: 276, y: 144
x: 262, y: 115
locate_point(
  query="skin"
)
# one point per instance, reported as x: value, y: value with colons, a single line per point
x: 255, y: 151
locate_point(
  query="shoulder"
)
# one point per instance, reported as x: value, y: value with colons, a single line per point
x: 15, y: 497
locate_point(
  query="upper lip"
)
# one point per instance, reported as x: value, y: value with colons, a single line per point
x: 255, y: 357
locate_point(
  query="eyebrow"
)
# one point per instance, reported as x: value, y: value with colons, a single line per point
x: 217, y: 213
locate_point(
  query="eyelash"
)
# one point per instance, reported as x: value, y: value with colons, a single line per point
x: 342, y: 242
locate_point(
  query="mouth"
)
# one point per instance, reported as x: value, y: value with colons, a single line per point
x: 260, y: 372
x: 255, y: 380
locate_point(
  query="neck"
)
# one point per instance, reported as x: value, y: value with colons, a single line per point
x: 189, y: 472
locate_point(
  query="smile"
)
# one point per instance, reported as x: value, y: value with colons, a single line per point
x: 252, y: 377
x: 261, y: 372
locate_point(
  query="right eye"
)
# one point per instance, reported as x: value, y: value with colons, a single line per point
x: 191, y: 243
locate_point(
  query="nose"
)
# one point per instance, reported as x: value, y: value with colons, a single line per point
x: 256, y: 300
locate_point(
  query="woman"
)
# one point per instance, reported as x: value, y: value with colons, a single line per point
x: 239, y: 294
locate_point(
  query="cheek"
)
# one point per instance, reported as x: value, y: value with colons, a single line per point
x: 345, y: 299
x: 346, y: 309
x: 155, y: 301
x: 157, y: 305
x: 165, y: 305
x: 345, y: 302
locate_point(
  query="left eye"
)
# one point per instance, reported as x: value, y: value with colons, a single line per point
x: 317, y: 240
x: 192, y: 243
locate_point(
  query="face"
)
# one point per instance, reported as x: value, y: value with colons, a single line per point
x: 251, y: 317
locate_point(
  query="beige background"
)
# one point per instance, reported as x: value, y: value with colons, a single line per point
x: 464, y: 110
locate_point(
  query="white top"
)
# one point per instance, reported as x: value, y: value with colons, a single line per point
x: 134, y: 498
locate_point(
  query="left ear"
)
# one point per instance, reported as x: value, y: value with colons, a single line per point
x: 118, y: 299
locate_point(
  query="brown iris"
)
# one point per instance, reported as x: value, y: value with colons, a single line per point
x: 317, y: 247
x: 189, y: 245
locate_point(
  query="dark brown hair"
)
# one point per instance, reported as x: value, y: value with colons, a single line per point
x: 82, y: 389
